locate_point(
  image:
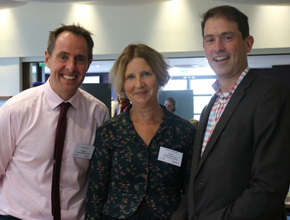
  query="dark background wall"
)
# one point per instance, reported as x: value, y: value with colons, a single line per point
x: 280, y: 73
x: 183, y: 99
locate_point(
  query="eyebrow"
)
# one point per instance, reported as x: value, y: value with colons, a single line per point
x: 222, y: 34
x: 68, y: 54
x: 62, y: 52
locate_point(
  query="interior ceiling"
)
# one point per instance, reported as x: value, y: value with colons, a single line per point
x: 13, y: 3
x: 10, y: 4
x: 104, y: 66
x: 54, y: 1
x: 85, y: 1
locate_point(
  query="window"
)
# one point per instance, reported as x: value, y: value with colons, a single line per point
x: 176, y: 84
x: 91, y: 79
x: 201, y: 86
x: 199, y: 80
x: 202, y: 92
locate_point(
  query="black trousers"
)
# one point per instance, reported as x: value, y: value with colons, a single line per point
x: 8, y: 217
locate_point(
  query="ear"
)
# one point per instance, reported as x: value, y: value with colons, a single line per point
x: 249, y: 43
x: 89, y: 63
x: 46, y: 58
x: 204, y: 49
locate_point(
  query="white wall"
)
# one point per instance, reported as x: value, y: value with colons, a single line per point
x: 9, y: 76
x: 167, y: 26
x: 2, y: 102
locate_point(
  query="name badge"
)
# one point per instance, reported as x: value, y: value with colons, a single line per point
x: 83, y: 151
x: 170, y: 156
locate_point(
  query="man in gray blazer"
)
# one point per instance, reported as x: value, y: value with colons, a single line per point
x: 241, y: 160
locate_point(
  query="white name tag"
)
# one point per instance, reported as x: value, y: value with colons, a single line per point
x: 170, y: 156
x: 83, y: 151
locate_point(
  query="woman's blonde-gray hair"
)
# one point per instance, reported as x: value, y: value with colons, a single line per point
x: 154, y: 59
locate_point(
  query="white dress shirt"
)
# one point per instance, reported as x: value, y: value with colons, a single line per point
x: 27, y: 131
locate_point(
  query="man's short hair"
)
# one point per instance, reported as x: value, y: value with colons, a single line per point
x: 231, y: 14
x: 75, y: 29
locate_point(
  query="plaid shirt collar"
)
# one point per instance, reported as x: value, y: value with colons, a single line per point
x: 217, y: 87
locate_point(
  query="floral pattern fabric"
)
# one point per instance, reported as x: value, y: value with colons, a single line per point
x: 124, y: 171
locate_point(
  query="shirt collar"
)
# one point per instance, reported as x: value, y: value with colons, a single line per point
x: 54, y: 100
x: 217, y: 87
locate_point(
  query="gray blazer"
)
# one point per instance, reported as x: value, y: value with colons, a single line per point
x: 244, y: 172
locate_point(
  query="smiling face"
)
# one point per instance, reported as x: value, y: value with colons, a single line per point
x: 68, y: 64
x: 141, y: 85
x: 224, y: 47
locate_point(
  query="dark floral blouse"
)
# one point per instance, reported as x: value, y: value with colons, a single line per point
x: 124, y: 171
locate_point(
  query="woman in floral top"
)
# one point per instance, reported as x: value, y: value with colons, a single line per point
x: 141, y: 164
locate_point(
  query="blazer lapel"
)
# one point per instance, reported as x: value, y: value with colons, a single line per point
x: 229, y: 110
